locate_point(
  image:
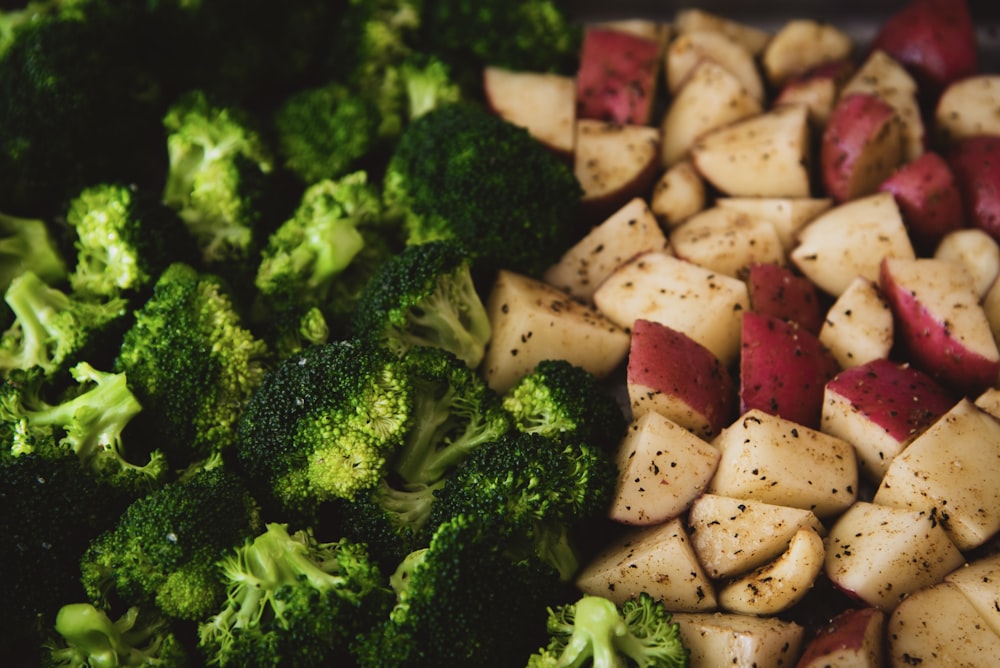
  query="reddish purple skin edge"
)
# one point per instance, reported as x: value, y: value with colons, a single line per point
x: 776, y: 291
x: 845, y: 631
x: 975, y: 162
x: 929, y: 345
x: 854, y: 121
x: 927, y: 194
x: 616, y: 80
x: 667, y: 360
x: 897, y: 397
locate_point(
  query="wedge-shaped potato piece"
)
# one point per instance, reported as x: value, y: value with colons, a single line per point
x: 542, y: 102
x: 880, y: 554
x: 852, y: 639
x: 968, y: 107
x: 646, y: 28
x: 979, y: 580
x: 704, y: 305
x: 800, y: 45
x: 882, y: 75
x: 780, y: 584
x: 533, y: 321
x: 977, y: 251
x: 658, y: 560
x: 817, y: 89
x: 940, y: 323
x: 734, y: 536
x: 618, y: 75
x: 952, y: 472
x: 851, y: 240
x: 770, y: 459
x: 939, y: 626
x: 880, y: 407
x: 689, y: 19
x: 741, y: 641
x: 678, y: 194
x: 671, y: 374
x: 727, y: 241
x: 777, y: 291
x: 711, y: 98
x: 766, y: 155
x: 628, y: 232
x: 695, y: 46
x: 787, y: 214
x: 975, y: 161
x: 662, y: 468
x: 858, y: 326
x: 989, y: 401
x: 614, y: 163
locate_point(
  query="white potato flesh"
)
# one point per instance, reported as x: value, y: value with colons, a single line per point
x: 787, y: 214
x: 678, y: 194
x: 695, y: 46
x: 753, y: 38
x: 543, y: 103
x: 727, y: 241
x: 742, y: 641
x: 854, y: 638
x: 968, y: 107
x: 800, y: 45
x: 858, y: 327
x: 614, y: 162
x: 977, y: 251
x: 979, y: 580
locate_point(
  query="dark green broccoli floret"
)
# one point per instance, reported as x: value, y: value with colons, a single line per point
x: 163, y: 550
x: 594, y: 631
x: 28, y: 244
x: 561, y: 400
x: 87, y: 636
x: 219, y: 162
x: 54, y: 329
x: 293, y: 600
x: 192, y: 364
x: 461, y: 172
x: 462, y: 601
x: 125, y: 237
x: 425, y: 296
x: 428, y: 83
x: 539, y: 489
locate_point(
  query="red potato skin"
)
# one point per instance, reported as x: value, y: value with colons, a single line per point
x: 935, y: 40
x: 856, y: 122
x: 617, y: 77
x: 662, y: 359
x: 777, y: 291
x: 897, y: 397
x: 783, y: 369
x: 926, y: 191
x: 850, y: 630
x: 975, y: 161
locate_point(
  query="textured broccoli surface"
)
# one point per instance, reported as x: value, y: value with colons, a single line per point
x: 28, y: 244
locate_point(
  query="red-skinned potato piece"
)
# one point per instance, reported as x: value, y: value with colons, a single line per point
x: 934, y: 39
x: 614, y: 163
x: 617, y: 76
x: 852, y: 639
x: 778, y: 291
x: 783, y: 369
x: 542, y: 102
x: 860, y: 147
x: 674, y: 375
x: 975, y: 162
x: 927, y: 194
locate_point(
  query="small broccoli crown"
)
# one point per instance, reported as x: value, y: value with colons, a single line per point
x: 326, y: 131
x: 192, y: 364
x: 561, y: 400
x: 88, y: 637
x: 594, y: 631
x: 460, y: 172
x: 293, y: 599
x: 163, y: 550
x: 218, y: 163
x: 53, y: 329
x: 429, y: 84
x: 425, y: 296
x: 28, y: 244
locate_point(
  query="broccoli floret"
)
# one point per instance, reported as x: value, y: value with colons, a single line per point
x: 425, y: 296
x: 462, y: 601
x: 125, y: 237
x: 192, y: 364
x: 561, y: 400
x: 54, y: 329
x: 293, y: 600
x: 594, y: 631
x: 461, y: 172
x: 217, y: 176
x: 28, y: 244
x: 87, y: 636
x: 163, y: 550
x: 539, y: 489
x: 429, y: 83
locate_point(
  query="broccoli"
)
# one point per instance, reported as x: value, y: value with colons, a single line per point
x: 54, y: 329
x: 125, y: 236
x: 429, y: 83
x: 192, y: 364
x: 27, y: 244
x: 561, y: 400
x: 461, y: 600
x: 539, y: 489
x: 594, y: 631
x: 293, y: 600
x: 425, y: 296
x: 163, y: 550
x: 461, y: 172
x: 88, y: 637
